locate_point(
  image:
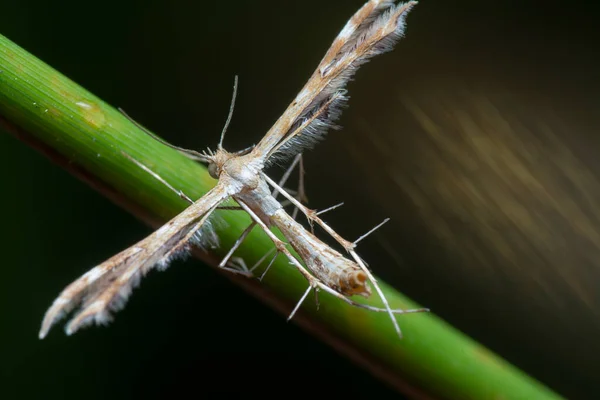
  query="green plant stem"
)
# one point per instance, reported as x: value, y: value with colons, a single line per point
x: 86, y: 135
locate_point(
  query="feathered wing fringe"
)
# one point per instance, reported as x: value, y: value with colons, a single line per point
x: 106, y: 287
x: 373, y: 30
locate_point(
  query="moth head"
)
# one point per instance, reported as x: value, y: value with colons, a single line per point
x: 213, y: 170
x: 216, y: 161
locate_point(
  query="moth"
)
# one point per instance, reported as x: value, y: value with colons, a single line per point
x: 374, y: 29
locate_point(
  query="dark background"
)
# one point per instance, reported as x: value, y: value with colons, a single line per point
x: 478, y: 135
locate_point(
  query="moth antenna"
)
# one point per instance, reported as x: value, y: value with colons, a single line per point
x: 230, y: 115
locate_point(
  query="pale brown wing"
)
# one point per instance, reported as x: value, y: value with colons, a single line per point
x: 106, y: 287
x: 373, y: 30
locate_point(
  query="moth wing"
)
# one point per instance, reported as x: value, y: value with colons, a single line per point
x: 106, y: 287
x: 374, y: 29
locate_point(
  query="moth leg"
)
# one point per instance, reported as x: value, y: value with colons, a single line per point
x: 240, y: 261
x: 191, y: 154
x: 300, y: 302
x: 366, y: 270
x: 311, y: 215
x: 158, y: 178
x: 366, y: 306
x: 301, y: 194
x: 249, y: 271
x: 287, y: 174
x: 386, y: 304
x: 329, y: 208
x: 270, y: 264
x: 237, y: 265
x: 237, y: 244
x: 282, y: 248
x: 349, y: 246
x: 180, y: 193
x: 230, y: 208
x: 314, y: 282
x: 371, y: 231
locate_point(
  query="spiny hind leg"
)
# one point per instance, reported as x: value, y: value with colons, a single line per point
x: 236, y: 245
x: 159, y: 178
x: 275, y: 255
x: 239, y: 265
x: 313, y: 282
x: 300, y: 193
x: 281, y: 247
x: 349, y: 246
x: 317, y: 285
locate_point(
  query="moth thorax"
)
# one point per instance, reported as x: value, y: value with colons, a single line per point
x: 243, y: 169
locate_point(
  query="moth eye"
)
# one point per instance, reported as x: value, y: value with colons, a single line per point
x: 212, y: 171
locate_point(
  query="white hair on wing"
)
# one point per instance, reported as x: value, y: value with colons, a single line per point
x: 206, y: 237
x: 356, y: 31
x: 110, y: 293
x: 323, y: 119
x: 340, y: 70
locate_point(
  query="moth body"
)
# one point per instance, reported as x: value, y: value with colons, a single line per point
x: 373, y: 30
x: 326, y: 264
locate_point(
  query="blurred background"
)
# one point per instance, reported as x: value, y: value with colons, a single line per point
x: 478, y: 136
